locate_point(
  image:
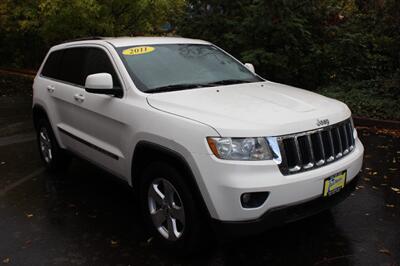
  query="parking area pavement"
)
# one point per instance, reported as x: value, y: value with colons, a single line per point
x: 85, y: 217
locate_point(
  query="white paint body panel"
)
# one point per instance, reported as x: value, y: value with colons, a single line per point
x: 182, y: 120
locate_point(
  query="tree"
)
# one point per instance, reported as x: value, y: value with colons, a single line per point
x: 29, y: 28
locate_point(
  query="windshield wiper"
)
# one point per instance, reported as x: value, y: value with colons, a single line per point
x: 176, y: 87
x: 229, y: 81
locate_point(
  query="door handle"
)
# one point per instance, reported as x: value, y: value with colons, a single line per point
x: 50, y: 89
x: 79, y: 97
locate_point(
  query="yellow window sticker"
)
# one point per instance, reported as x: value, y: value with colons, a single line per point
x: 138, y: 50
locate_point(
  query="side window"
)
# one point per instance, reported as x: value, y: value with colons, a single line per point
x: 97, y: 61
x: 51, y: 66
x: 71, y: 66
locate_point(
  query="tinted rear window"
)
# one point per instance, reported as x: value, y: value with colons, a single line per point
x: 51, y: 67
x: 71, y: 66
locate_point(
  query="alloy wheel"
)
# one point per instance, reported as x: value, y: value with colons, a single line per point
x: 166, y: 209
x: 45, y: 145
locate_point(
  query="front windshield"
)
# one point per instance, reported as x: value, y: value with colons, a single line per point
x: 168, y: 67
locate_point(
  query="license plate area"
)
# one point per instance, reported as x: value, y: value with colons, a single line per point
x: 334, y: 183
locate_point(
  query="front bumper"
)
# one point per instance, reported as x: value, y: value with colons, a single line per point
x: 284, y: 214
x: 222, y: 183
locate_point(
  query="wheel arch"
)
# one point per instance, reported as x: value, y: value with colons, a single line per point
x: 38, y: 112
x: 146, y: 152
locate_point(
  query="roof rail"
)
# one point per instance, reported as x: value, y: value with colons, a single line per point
x: 84, y: 39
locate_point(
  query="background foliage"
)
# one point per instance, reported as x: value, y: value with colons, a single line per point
x: 347, y: 49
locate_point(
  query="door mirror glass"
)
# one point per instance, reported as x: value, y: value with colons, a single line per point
x: 250, y: 67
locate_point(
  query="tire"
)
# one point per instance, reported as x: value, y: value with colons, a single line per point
x: 54, y: 158
x: 179, y: 209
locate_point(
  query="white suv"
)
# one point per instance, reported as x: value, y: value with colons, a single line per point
x: 199, y: 135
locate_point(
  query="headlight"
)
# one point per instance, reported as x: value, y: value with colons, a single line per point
x: 251, y: 149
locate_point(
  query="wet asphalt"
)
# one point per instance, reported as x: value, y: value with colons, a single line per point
x: 85, y: 217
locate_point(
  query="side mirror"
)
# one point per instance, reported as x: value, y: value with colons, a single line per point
x: 101, y: 83
x: 250, y: 67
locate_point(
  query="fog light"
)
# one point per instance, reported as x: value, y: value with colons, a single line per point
x: 253, y: 199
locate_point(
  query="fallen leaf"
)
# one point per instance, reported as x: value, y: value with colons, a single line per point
x: 114, y: 242
x: 390, y: 205
x: 392, y: 169
x: 385, y: 251
x: 6, y: 260
x: 149, y: 240
x: 374, y: 173
x: 374, y: 187
x: 1, y: 163
x: 29, y: 215
x: 395, y: 189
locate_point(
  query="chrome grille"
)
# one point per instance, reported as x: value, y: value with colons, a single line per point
x: 311, y: 149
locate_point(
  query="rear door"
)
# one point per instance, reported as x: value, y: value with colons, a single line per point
x: 67, y: 92
x: 62, y: 80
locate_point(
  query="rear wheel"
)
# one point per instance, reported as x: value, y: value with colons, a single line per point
x: 52, y: 155
x: 170, y: 209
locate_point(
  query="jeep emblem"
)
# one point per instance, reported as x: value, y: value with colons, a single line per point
x: 323, y: 122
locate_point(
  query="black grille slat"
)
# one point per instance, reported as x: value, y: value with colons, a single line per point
x: 311, y: 151
x: 308, y: 150
x: 328, y: 145
x: 318, y: 148
x: 350, y: 134
x: 290, y: 151
x: 337, y: 142
x: 305, y: 151
x: 344, y: 138
x: 297, y: 167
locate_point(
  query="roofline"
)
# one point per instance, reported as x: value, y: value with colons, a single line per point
x: 126, y: 41
x: 90, y: 38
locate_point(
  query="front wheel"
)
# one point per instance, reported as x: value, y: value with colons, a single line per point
x: 170, y: 208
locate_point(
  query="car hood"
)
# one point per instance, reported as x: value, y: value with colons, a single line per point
x: 252, y: 109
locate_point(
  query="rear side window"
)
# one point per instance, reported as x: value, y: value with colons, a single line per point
x: 51, y: 67
x: 71, y: 66
x: 97, y: 61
